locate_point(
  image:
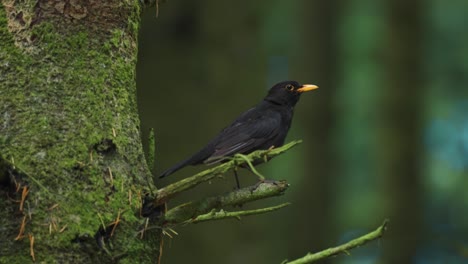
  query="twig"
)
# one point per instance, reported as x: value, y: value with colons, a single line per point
x: 164, y: 194
x: 342, y: 249
x: 24, y: 194
x: 251, y: 166
x: 191, y: 210
x: 213, y: 215
x: 22, y: 228
x: 31, y: 247
x: 115, y: 223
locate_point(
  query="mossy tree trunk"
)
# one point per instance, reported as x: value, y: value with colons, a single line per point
x: 72, y: 170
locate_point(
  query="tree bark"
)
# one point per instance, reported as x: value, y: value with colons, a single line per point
x: 72, y: 168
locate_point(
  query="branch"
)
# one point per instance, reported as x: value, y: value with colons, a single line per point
x: 342, y: 249
x: 213, y: 215
x: 192, y: 210
x: 164, y: 194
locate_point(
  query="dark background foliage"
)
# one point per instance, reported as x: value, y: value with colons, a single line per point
x: 386, y: 135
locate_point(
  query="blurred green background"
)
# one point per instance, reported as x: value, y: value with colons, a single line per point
x: 385, y: 136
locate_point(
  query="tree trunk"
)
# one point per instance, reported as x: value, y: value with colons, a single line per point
x: 400, y: 141
x: 318, y: 65
x: 72, y: 168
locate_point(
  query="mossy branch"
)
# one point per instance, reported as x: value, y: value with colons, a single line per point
x: 164, y: 194
x: 220, y: 215
x: 342, y: 249
x: 200, y: 208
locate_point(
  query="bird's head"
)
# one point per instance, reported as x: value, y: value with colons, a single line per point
x: 288, y: 92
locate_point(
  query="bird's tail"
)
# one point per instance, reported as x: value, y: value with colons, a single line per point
x: 175, y: 168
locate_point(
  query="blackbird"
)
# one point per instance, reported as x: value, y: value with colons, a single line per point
x: 261, y: 127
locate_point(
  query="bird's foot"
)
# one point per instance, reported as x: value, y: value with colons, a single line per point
x: 265, y: 156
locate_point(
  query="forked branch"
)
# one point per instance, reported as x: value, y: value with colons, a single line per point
x: 164, y: 194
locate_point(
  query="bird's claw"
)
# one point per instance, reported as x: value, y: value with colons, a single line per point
x: 265, y: 156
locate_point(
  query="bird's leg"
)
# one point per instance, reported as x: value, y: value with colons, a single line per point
x: 237, y: 178
x: 238, y: 184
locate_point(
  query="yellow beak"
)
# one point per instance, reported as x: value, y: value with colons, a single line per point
x: 307, y: 87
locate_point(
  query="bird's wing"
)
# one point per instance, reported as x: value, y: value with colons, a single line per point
x: 248, y: 133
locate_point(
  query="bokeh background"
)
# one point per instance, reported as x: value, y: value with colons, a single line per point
x: 386, y: 135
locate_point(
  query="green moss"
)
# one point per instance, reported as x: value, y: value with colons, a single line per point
x: 78, y: 90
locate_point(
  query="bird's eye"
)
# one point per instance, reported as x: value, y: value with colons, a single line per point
x: 290, y: 87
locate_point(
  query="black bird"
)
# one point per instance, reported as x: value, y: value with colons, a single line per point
x: 261, y: 127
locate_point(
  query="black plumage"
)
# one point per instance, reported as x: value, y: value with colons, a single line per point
x: 261, y: 127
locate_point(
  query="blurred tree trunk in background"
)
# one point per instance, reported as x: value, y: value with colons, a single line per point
x: 317, y: 65
x: 399, y: 140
